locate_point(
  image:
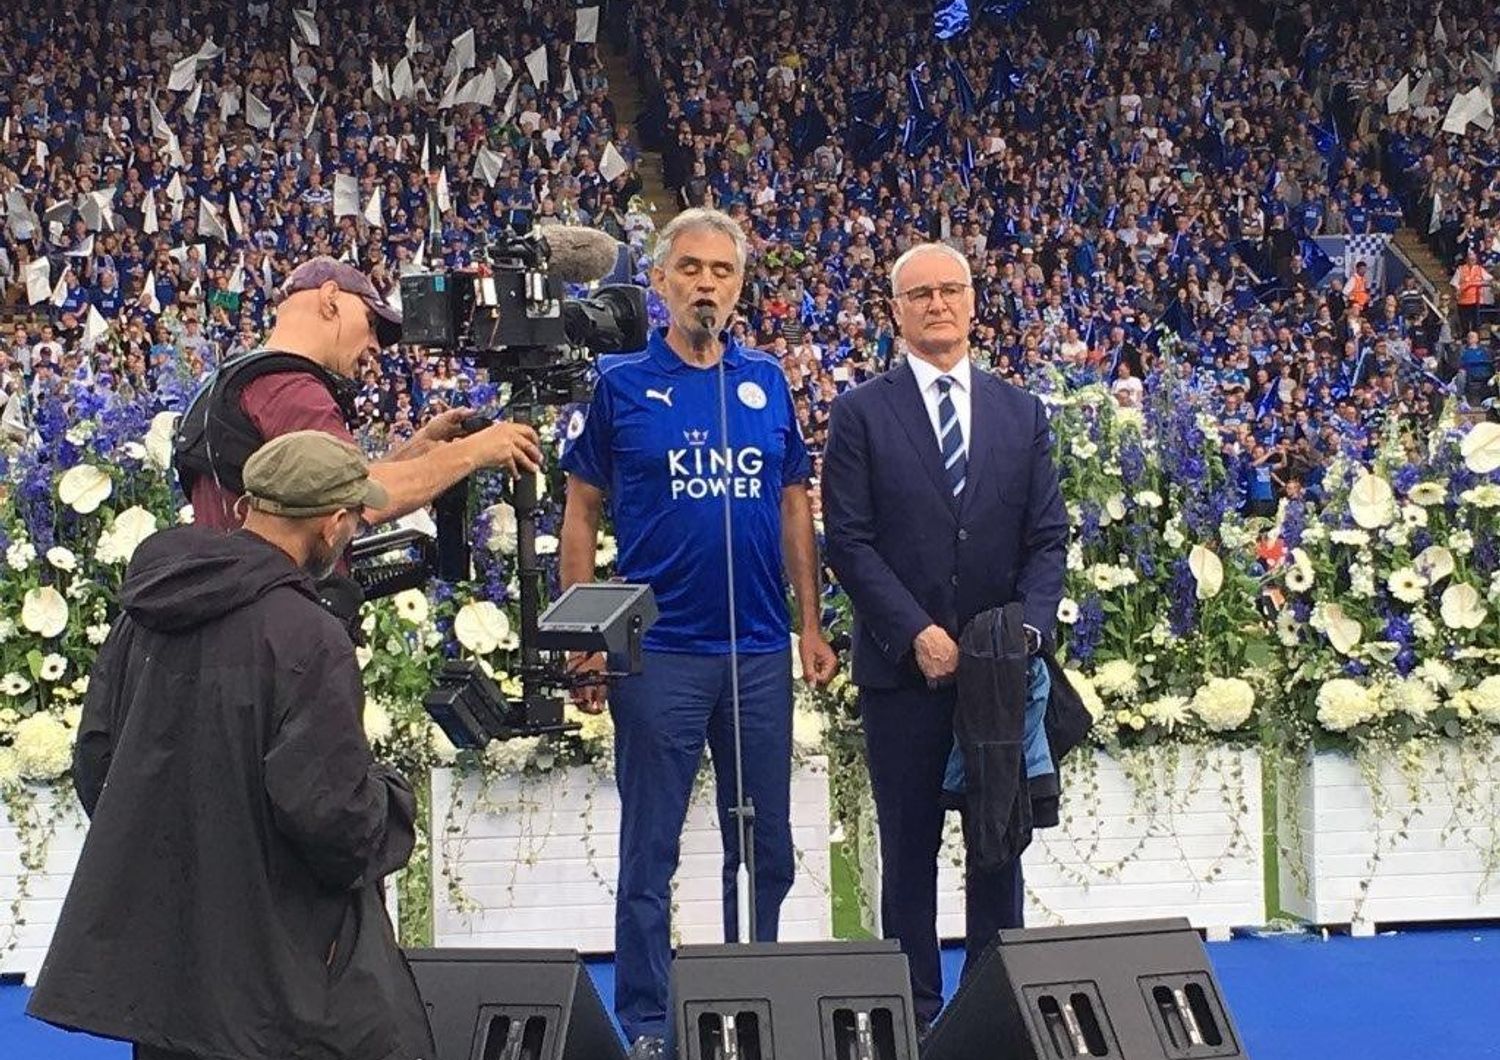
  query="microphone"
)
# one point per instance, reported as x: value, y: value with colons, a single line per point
x: 578, y: 254
x: 707, y: 318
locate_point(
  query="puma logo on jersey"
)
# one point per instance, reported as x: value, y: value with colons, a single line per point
x: 664, y: 396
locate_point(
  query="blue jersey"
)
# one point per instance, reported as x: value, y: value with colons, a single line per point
x: 651, y: 441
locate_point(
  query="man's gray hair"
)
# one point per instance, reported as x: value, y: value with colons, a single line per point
x: 698, y: 219
x: 929, y: 248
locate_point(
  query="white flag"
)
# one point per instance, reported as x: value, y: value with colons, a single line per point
x: 175, y: 191
x: 413, y: 39
x: 401, y: 84
x: 345, y: 196
x: 257, y: 114
x: 426, y: 151
x: 159, y: 127
x: 95, y: 327
x: 462, y: 55
x: 41, y: 153
x: 373, y: 215
x: 1457, y: 118
x: 1439, y: 34
x: 480, y: 90
x: 536, y: 63
x: 150, y: 223
x: 209, y: 224
x: 419, y: 256
x: 219, y: 159
x: 612, y: 164
x: 209, y: 51
x: 190, y: 108
x: 512, y: 101
x: 444, y: 203
x: 308, y: 27
x: 236, y: 283
x: 487, y: 164
x: 380, y: 82
x: 569, y: 90
x: 174, y: 153
x: 294, y: 51
x: 503, y: 72
x: 450, y: 94
x: 184, y: 73
x: 1399, y: 98
x: 38, y: 281
x: 148, y: 299
x: 1437, y: 213
x: 229, y: 103
x: 1481, y: 108
x: 586, y: 25
x: 235, y: 220
x: 60, y: 291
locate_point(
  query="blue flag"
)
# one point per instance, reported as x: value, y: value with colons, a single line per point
x: 915, y: 101
x: 1315, y: 261
x: 950, y: 18
x: 1004, y: 80
x: 962, y: 88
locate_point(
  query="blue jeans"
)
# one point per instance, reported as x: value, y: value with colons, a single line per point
x: 663, y: 717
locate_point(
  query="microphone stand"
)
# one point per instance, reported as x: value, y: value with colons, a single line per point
x: 744, y: 810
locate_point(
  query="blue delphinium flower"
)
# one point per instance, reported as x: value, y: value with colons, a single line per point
x: 1183, y: 602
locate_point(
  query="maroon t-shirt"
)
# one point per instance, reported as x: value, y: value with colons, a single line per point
x: 277, y: 404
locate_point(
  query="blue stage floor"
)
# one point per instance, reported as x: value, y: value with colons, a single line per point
x: 1414, y: 995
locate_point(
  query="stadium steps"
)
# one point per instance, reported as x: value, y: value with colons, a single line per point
x: 625, y: 92
x: 1421, y: 256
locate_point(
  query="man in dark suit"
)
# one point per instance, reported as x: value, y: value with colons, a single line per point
x: 940, y: 500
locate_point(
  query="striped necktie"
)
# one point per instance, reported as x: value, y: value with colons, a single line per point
x: 951, y: 437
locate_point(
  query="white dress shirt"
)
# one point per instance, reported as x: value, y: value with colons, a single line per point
x: 960, y: 392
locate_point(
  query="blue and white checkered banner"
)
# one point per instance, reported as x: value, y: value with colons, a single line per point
x: 1369, y: 249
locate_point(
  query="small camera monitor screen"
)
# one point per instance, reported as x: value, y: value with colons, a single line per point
x: 591, y: 605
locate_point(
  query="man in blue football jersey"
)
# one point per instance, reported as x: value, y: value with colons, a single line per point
x: 688, y: 504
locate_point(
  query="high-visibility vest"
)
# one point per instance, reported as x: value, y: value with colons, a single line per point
x: 1471, y: 280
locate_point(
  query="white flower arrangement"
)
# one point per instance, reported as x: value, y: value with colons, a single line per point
x: 1224, y: 703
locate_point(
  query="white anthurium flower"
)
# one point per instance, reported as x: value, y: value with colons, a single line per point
x: 62, y: 558
x: 134, y: 451
x: 1435, y: 562
x: 1208, y: 571
x: 481, y: 626
x: 84, y: 487
x: 1115, y: 506
x: 1481, y: 447
x: 503, y: 528
x: 158, y: 442
x: 1462, y: 607
x: 1342, y: 631
x: 130, y: 528
x: 185, y: 514
x: 1372, y: 502
x: 44, y: 611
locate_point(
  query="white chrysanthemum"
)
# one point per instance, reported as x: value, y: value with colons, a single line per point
x: 1224, y: 703
x: 125, y: 534
x: 546, y: 545
x: 158, y: 441
x: 44, y: 611
x: 62, y: 558
x: 1208, y: 571
x: 1423, y: 626
x: 1116, y: 679
x: 607, y: 552
x: 1438, y: 675
x: 1067, y: 611
x: 13, y: 684
x: 503, y: 528
x: 53, y: 667
x: 1086, y: 692
x: 1358, y: 538
x: 10, y: 767
x: 411, y: 605
x: 513, y: 756
x: 1413, y: 517
x: 377, y: 721
x: 1481, y: 447
x: 44, y: 747
x: 481, y: 626
x: 1075, y: 556
x: 1484, y: 698
x: 598, y: 730
x: 808, y: 727
x: 1411, y: 696
x: 20, y: 555
x: 1462, y: 607
x: 1149, y: 499
x: 1461, y: 542
x: 1407, y: 585
x: 97, y: 633
x: 1344, y: 703
x: 1299, y: 579
x: 84, y: 487
x: 1168, y: 711
x: 1485, y: 496
x: 1428, y: 494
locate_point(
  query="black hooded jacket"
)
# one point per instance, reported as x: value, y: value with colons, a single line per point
x: 227, y: 900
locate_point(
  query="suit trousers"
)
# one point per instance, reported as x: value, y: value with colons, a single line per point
x: 908, y: 737
x: 663, y: 717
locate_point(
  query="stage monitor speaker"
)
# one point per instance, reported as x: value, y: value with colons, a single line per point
x: 793, y: 1001
x: 1136, y: 990
x: 513, y: 1005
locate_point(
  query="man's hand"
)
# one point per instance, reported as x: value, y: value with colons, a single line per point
x: 590, y: 698
x: 445, y: 426
x: 937, y: 655
x: 512, y: 446
x: 819, y: 661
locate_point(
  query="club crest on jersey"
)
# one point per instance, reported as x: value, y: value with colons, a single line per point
x: 751, y: 395
x: 696, y: 437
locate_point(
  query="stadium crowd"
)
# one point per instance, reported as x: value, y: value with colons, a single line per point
x: 1124, y: 182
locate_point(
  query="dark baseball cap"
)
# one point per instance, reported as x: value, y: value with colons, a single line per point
x: 306, y: 474
x: 312, y: 274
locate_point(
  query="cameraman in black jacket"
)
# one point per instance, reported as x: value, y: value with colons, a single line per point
x: 227, y: 901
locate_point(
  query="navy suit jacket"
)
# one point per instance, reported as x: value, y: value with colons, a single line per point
x: 907, y: 552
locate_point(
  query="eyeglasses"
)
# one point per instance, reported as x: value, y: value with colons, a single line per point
x: 923, y: 295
